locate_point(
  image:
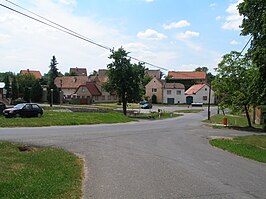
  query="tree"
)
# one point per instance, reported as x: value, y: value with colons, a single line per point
x: 14, y: 88
x: 52, y: 74
x: 210, y: 76
x: 233, y: 82
x: 7, y: 85
x: 254, y: 24
x: 25, y: 83
x: 125, y: 79
x: 36, y: 91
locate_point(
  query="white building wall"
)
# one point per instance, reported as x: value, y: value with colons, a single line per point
x: 181, y: 99
x: 198, y: 97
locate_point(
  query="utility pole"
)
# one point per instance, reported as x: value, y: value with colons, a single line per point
x: 209, y: 102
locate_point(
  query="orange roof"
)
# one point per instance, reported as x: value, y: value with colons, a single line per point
x: 70, y: 82
x: 194, y: 89
x: 174, y: 85
x: 37, y: 74
x: 187, y: 75
x: 92, y: 88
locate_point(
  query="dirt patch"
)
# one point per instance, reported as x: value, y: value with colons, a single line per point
x: 26, y: 148
x: 220, y: 138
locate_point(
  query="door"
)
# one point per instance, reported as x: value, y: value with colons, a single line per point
x: 189, y: 99
x: 170, y: 100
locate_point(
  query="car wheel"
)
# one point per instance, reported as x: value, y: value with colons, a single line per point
x: 39, y: 115
x: 17, y: 115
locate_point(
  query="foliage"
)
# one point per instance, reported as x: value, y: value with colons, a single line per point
x: 52, y: 74
x: 39, y: 172
x: 233, y: 82
x: 14, y: 88
x: 7, y: 85
x: 254, y: 24
x: 253, y: 147
x: 36, y: 91
x: 125, y: 79
x: 71, y: 74
x: 210, y: 76
x: 25, y: 83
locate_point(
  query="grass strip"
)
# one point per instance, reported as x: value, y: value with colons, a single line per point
x: 164, y: 115
x: 252, y: 147
x: 39, y: 173
x: 51, y: 118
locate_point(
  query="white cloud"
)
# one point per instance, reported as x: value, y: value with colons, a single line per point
x: 179, y: 24
x: 68, y: 2
x: 151, y: 35
x: 149, y: 1
x: 187, y: 35
x: 218, y: 18
x: 234, y: 20
x: 234, y: 42
x: 212, y: 5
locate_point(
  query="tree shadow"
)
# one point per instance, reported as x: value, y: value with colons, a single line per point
x: 252, y: 129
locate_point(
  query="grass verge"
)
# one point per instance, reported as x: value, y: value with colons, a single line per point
x: 39, y: 173
x: 165, y: 115
x: 66, y: 118
x: 252, y: 147
x: 189, y: 111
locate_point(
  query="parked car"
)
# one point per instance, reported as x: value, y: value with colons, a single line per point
x: 143, y: 102
x: 24, y: 110
x: 2, y: 107
x: 146, y: 105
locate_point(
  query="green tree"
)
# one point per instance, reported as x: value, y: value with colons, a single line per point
x: 52, y: 74
x: 233, y: 82
x: 14, y: 88
x: 7, y: 85
x: 210, y: 76
x: 25, y: 83
x: 125, y: 79
x: 254, y: 24
x: 36, y: 91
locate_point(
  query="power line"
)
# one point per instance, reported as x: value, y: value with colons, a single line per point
x: 244, y: 48
x: 67, y: 30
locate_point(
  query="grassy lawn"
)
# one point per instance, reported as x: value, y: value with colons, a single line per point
x: 189, y: 111
x: 155, y: 115
x: 39, y: 173
x: 65, y: 118
x: 252, y: 147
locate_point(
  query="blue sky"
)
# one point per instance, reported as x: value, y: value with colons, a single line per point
x: 173, y: 34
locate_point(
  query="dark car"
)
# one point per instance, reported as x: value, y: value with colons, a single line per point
x: 24, y: 110
x: 146, y: 105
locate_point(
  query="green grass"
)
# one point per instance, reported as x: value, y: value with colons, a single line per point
x: 41, y: 173
x: 65, y: 118
x: 189, y: 111
x: 164, y: 115
x: 252, y: 147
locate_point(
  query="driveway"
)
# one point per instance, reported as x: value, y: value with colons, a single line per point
x: 159, y: 159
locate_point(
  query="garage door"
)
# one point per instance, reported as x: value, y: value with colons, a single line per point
x: 170, y: 100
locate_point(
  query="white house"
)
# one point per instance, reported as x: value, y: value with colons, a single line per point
x: 2, y: 90
x: 174, y: 93
x: 199, y: 93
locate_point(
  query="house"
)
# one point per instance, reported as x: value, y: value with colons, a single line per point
x: 153, y: 73
x: 155, y: 88
x: 78, y: 71
x: 199, y: 93
x: 174, y: 93
x: 2, y: 90
x: 188, y: 78
x: 69, y: 84
x: 37, y: 74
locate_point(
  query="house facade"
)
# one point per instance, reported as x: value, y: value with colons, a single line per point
x: 155, y: 87
x: 173, y: 93
x: 153, y: 73
x: 199, y: 93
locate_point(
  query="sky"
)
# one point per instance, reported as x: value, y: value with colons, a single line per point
x: 178, y: 35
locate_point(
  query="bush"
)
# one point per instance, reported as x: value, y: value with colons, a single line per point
x: 18, y: 101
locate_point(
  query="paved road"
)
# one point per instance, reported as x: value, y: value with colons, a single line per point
x: 159, y: 159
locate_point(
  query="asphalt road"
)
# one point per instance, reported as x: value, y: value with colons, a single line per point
x: 159, y: 159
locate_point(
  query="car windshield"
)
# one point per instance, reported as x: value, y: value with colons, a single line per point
x: 19, y: 106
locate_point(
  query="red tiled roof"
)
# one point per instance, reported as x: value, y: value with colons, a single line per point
x: 37, y: 74
x: 70, y: 82
x: 91, y: 86
x: 187, y: 75
x: 194, y: 89
x: 79, y: 71
x: 174, y: 85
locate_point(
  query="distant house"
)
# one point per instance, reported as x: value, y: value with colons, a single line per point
x: 88, y: 93
x: 199, y: 93
x: 2, y: 90
x: 188, y: 78
x: 37, y: 74
x: 153, y: 73
x: 78, y: 71
x: 155, y: 87
x: 69, y: 84
x: 174, y: 93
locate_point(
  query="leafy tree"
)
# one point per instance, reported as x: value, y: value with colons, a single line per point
x: 254, y: 24
x: 125, y: 79
x: 210, y: 76
x: 36, y: 91
x: 52, y: 74
x: 25, y: 83
x: 200, y: 69
x: 14, y: 88
x: 7, y: 85
x: 233, y: 82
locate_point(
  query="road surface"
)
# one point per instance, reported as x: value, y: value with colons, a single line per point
x: 158, y: 159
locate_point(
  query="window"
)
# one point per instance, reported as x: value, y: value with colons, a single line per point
x: 178, y: 92
x: 169, y: 92
x: 154, y: 90
x: 206, y: 89
x: 205, y: 98
x: 83, y: 89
